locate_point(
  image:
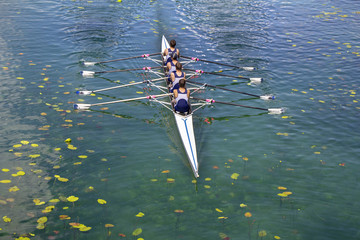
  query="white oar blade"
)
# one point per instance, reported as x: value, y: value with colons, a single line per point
x: 276, y: 110
x: 88, y: 64
x: 267, y: 97
x: 256, y: 80
x: 248, y: 68
x: 81, y: 106
x: 87, y: 73
x: 83, y: 92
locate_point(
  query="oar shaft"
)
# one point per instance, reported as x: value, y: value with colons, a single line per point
x: 219, y: 74
x: 127, y: 85
x: 125, y: 70
x: 121, y: 59
x: 132, y: 99
x: 218, y: 63
x: 229, y: 103
x: 225, y: 89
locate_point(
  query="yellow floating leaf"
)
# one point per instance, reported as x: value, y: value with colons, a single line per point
x: 207, y: 179
x: 42, y: 220
x: 277, y: 237
x: 14, y: 189
x: 48, y: 209
x: 207, y: 186
x: 71, y: 147
x: 262, y: 233
x: 282, y: 188
x: 64, y: 217
x: 140, y: 214
x: 61, y: 179
x: 57, y: 149
x: 5, y: 170
x: 72, y: 199
x: 170, y: 180
x: 34, y: 145
x: 218, y: 210
x: 5, y: 181
x: 20, y: 173
x: 248, y: 214
x: 24, y: 142
x: 235, y: 176
x: 243, y: 205
x: 40, y: 226
x: 6, y: 219
x: 137, y: 232
x: 109, y: 225
x: 84, y: 229
x: 68, y: 140
x: 17, y: 145
x: 139, y: 92
x: 82, y: 156
x: 34, y: 155
x: 101, y: 201
x: 165, y: 171
x: 287, y: 193
x: 77, y: 163
x: 55, y: 200
x: 282, y: 195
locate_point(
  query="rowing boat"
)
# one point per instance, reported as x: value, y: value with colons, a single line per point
x: 184, y: 123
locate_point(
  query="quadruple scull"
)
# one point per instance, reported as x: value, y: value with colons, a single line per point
x: 184, y: 120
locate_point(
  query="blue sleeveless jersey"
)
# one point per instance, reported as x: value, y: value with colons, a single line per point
x: 176, y: 82
x: 182, y: 104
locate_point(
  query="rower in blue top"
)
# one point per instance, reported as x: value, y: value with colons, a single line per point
x: 171, y: 64
x: 181, y: 96
x: 170, y: 50
x: 176, y: 76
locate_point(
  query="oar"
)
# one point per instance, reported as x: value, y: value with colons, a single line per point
x: 81, y: 106
x: 264, y: 97
x: 84, y: 92
x: 120, y: 59
x: 269, y: 110
x: 218, y: 63
x: 91, y: 73
x: 225, y: 75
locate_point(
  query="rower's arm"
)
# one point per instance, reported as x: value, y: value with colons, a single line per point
x: 188, y: 93
x: 172, y: 77
x: 175, y: 92
x: 165, y: 52
x: 168, y: 65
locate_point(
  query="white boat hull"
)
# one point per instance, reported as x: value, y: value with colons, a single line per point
x: 185, y: 127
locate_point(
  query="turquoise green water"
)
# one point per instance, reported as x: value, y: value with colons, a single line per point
x: 130, y: 155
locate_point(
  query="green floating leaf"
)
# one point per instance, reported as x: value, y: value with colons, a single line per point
x: 137, y: 232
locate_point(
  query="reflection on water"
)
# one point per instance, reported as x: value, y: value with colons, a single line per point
x: 295, y: 173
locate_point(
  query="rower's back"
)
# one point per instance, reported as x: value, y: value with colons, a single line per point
x: 172, y: 49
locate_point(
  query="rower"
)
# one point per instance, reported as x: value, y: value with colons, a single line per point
x: 176, y: 76
x: 182, y: 96
x: 170, y: 50
x: 171, y: 64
